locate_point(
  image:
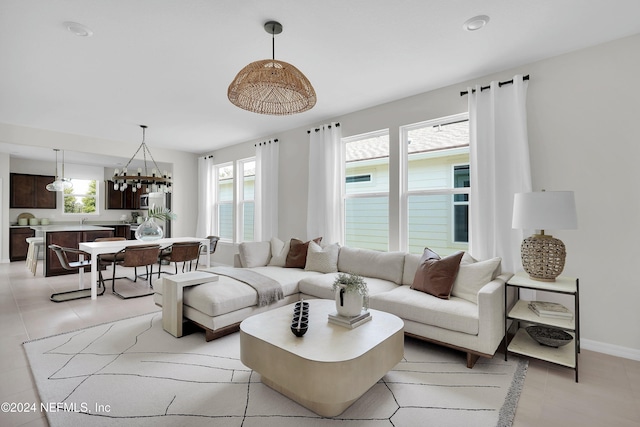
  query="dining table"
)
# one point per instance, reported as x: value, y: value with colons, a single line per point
x: 94, y: 249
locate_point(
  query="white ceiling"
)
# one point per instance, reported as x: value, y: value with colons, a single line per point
x: 168, y: 63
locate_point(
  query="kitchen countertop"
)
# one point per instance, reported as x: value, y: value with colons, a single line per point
x: 73, y: 224
x: 68, y: 227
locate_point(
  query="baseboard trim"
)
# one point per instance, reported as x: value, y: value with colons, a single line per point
x: 610, y: 349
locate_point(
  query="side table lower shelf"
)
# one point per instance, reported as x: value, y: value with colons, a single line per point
x: 524, y: 345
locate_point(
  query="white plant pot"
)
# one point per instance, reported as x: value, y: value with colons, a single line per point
x: 350, y: 304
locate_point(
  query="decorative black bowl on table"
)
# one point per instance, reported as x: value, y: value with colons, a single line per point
x: 299, y: 328
x: 551, y: 337
x: 300, y: 321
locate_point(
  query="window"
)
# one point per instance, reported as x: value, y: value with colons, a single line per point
x: 367, y: 190
x: 82, y: 197
x: 358, y: 178
x: 461, y: 205
x: 224, y: 201
x: 235, y: 202
x: 437, y: 185
x: 246, y: 203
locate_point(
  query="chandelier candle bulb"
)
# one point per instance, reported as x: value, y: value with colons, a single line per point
x: 122, y: 179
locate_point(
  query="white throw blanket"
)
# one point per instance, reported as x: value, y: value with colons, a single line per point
x: 269, y: 290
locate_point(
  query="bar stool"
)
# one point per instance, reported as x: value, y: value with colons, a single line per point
x: 33, y: 252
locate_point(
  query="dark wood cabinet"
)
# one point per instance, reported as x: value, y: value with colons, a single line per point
x: 127, y: 199
x: 122, y: 231
x: 68, y: 239
x: 17, y: 242
x: 29, y: 191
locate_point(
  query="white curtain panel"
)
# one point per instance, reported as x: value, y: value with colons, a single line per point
x: 266, y: 191
x: 326, y: 176
x: 206, y: 197
x: 499, y: 151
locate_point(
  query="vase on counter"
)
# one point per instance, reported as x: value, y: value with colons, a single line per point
x: 149, y: 230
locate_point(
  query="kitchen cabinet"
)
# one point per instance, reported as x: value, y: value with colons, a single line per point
x: 67, y: 239
x: 127, y: 199
x: 29, y: 191
x: 122, y: 230
x: 17, y: 242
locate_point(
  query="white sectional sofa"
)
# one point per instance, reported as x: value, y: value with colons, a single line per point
x: 471, y: 320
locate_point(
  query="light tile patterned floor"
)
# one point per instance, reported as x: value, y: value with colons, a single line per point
x: 608, y: 392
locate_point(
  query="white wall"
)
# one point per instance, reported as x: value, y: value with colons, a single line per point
x: 583, y: 137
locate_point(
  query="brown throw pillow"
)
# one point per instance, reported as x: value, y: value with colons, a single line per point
x: 297, y: 256
x: 436, y: 275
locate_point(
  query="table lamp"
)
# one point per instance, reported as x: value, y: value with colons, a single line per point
x: 543, y: 255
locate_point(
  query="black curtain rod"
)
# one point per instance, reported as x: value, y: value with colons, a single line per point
x: 500, y: 84
x: 318, y: 129
x: 451, y: 123
x: 264, y: 143
x: 208, y: 157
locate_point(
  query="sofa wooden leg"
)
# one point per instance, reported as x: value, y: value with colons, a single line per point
x: 210, y: 335
x: 471, y: 360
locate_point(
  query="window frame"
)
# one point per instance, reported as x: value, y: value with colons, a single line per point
x: 96, y: 197
x: 241, y: 201
x: 455, y: 203
x: 217, y: 202
x: 361, y: 186
x: 237, y: 201
x: 405, y: 193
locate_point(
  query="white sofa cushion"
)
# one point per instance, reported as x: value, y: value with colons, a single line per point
x: 455, y: 314
x: 279, y: 252
x: 227, y: 295
x: 411, y: 263
x: 215, y: 298
x: 289, y: 278
x: 321, y: 286
x: 322, y: 260
x: 254, y: 254
x: 368, y: 263
x: 472, y: 276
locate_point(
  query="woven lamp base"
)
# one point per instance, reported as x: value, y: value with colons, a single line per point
x: 543, y: 257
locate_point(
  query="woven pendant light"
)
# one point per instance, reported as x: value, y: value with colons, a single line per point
x: 270, y: 86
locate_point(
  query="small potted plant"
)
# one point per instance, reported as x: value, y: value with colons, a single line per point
x: 351, y: 294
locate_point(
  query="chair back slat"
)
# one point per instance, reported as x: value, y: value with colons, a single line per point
x: 138, y: 256
x: 61, y: 253
x: 184, y: 251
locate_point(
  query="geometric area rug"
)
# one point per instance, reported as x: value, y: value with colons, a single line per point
x: 131, y: 372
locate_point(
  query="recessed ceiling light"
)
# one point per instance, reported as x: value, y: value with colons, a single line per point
x: 78, y: 29
x: 475, y: 23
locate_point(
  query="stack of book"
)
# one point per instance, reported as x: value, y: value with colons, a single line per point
x: 550, y: 309
x: 349, y: 322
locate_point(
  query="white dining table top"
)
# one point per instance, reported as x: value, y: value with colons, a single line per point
x: 110, y: 246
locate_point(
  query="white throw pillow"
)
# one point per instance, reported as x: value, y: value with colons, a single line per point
x: 254, y: 254
x: 472, y: 276
x: 322, y: 260
x: 279, y: 251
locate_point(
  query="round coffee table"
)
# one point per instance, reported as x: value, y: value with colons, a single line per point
x: 328, y: 368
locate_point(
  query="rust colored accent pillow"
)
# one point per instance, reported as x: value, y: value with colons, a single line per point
x: 436, y: 275
x: 297, y: 256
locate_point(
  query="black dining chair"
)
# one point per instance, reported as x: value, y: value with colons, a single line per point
x: 213, y: 243
x: 63, y: 255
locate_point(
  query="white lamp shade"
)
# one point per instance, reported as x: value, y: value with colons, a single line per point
x: 545, y: 210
